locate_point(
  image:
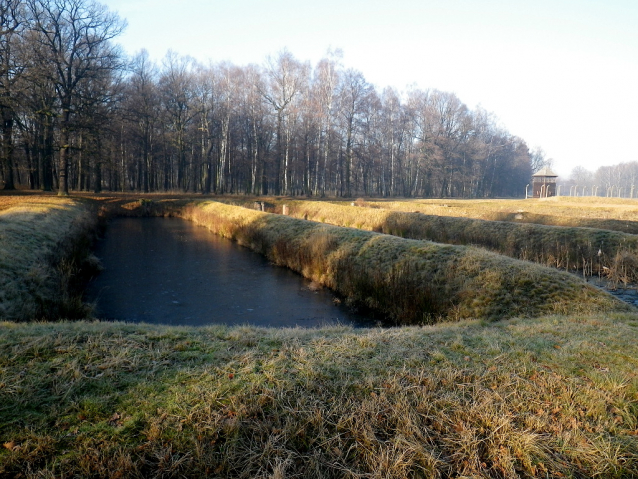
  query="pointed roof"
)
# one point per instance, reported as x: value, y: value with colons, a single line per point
x: 545, y: 171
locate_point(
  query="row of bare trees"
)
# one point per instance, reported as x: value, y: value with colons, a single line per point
x: 619, y: 180
x: 77, y: 114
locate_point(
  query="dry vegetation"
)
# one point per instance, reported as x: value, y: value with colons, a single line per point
x: 593, y: 252
x: 43, y: 245
x: 549, y: 396
x: 616, y: 214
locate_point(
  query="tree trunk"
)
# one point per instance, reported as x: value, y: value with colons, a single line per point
x: 63, y: 173
x: 7, y: 149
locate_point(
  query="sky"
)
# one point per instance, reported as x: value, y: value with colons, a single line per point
x: 560, y: 74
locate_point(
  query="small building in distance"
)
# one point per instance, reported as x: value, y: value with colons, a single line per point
x: 544, y: 183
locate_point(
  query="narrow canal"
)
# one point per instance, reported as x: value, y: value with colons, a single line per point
x: 170, y: 271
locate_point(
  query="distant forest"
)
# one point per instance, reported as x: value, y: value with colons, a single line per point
x: 78, y: 114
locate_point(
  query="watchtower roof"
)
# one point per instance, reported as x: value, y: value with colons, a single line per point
x: 545, y: 171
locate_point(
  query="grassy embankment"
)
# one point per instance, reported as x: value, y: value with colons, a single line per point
x: 44, y: 245
x: 546, y: 397
x: 551, y: 397
x: 409, y: 281
x: 599, y: 252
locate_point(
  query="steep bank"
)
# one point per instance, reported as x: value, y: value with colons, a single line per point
x: 44, y: 247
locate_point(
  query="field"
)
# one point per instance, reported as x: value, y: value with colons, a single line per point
x: 509, y: 369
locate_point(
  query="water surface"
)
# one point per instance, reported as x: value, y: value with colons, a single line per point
x: 170, y: 271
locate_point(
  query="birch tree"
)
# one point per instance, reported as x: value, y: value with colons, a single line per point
x: 286, y: 77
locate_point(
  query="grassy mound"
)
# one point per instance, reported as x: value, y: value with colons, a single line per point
x: 410, y: 281
x: 549, y: 397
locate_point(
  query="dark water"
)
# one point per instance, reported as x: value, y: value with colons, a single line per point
x: 170, y: 271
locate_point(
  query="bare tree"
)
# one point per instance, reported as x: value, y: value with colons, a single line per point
x: 353, y: 90
x: 176, y: 85
x: 141, y: 105
x: 286, y: 79
x: 75, y: 36
x: 324, y: 88
x: 538, y: 159
x: 13, y: 22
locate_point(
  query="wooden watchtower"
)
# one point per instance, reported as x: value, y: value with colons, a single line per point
x: 544, y: 183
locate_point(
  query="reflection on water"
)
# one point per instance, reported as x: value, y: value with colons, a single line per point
x: 170, y: 271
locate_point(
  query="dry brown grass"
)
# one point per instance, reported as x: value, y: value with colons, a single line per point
x: 553, y: 396
x: 12, y: 200
x: 593, y: 252
x: 614, y: 214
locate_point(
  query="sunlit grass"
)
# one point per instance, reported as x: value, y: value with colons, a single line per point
x: 537, y: 395
x: 590, y: 251
x: 618, y: 214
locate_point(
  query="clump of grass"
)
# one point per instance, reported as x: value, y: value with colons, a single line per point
x: 407, y: 280
x: 549, y: 397
x: 45, y: 248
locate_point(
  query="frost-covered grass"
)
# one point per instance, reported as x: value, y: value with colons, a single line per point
x: 538, y: 395
x: 42, y: 239
x: 555, y: 396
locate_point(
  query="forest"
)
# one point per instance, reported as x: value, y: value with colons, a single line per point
x: 78, y: 114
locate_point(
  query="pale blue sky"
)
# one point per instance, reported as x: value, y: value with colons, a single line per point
x: 561, y: 74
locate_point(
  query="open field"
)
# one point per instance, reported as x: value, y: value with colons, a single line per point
x: 617, y: 214
x: 541, y: 394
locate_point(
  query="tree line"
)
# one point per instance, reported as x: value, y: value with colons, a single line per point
x: 617, y: 181
x: 78, y: 114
